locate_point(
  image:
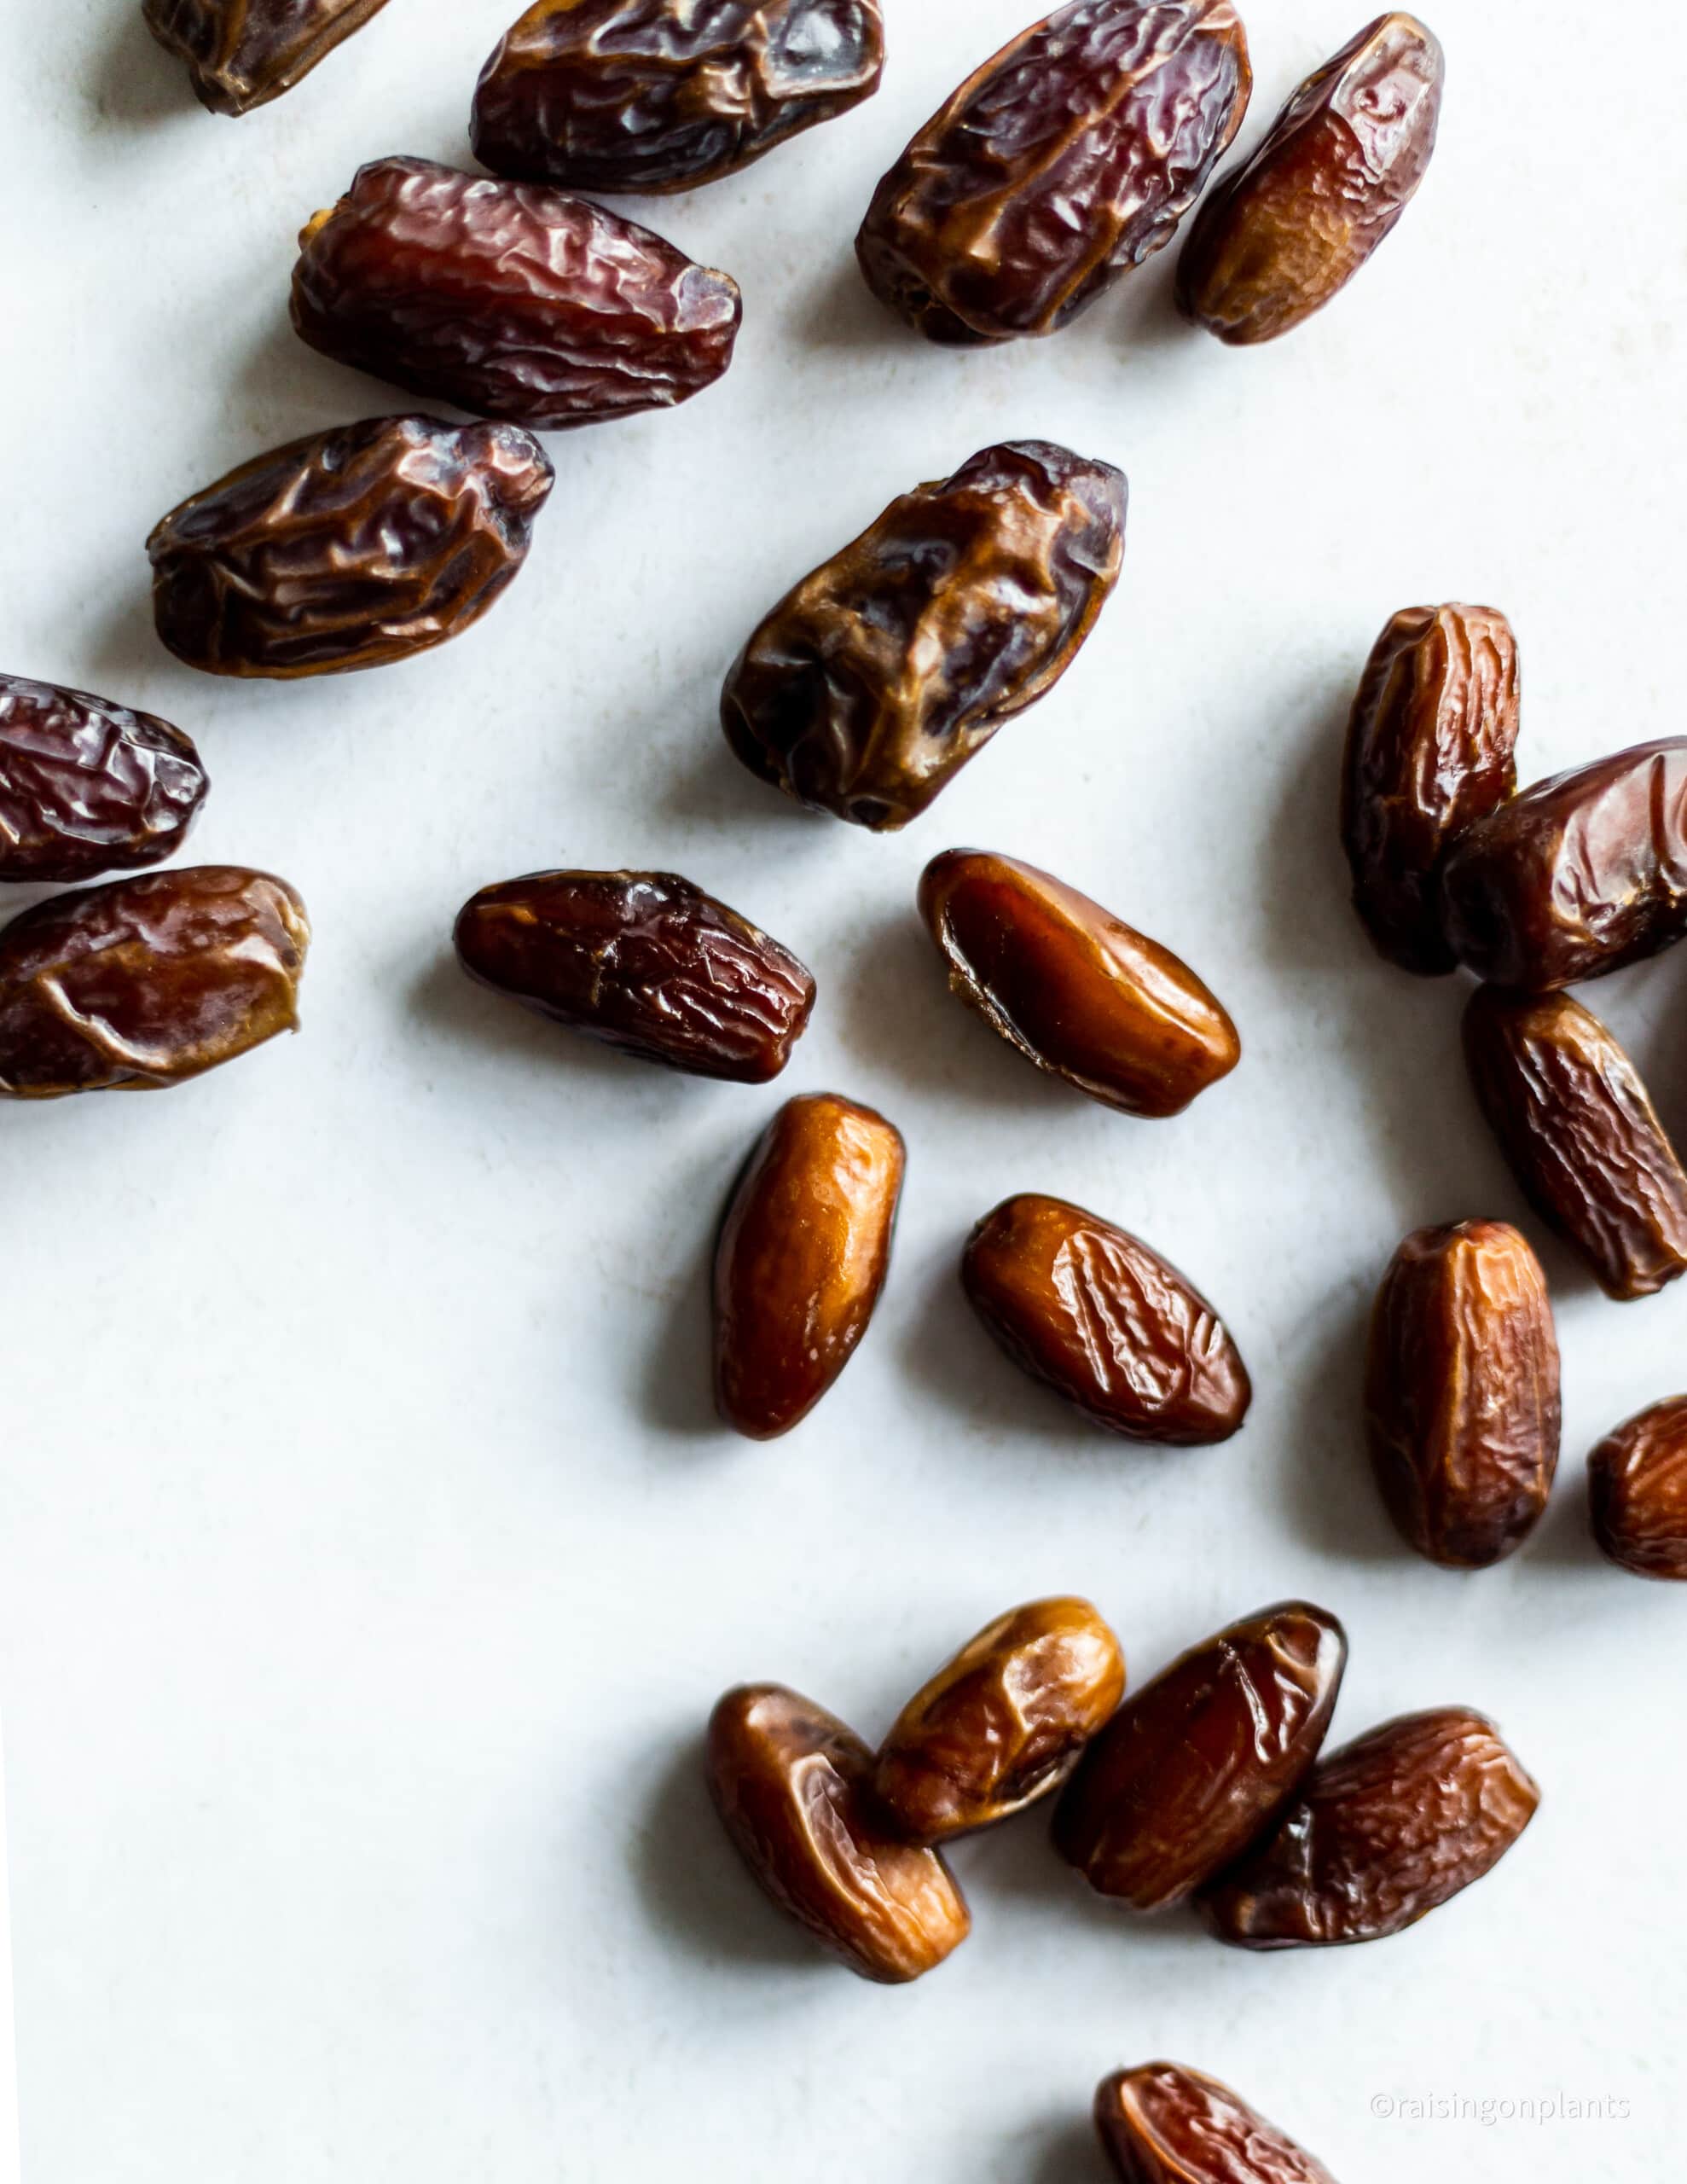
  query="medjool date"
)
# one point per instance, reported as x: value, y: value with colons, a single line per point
x: 1161, y: 2124
x: 88, y: 787
x: 1636, y: 1489
x: 241, y: 53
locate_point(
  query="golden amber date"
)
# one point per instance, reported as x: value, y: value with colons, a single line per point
x: 790, y: 1783
x: 1461, y: 1392
x: 1001, y: 1724
x: 88, y: 787
x: 1163, y: 2124
x: 1637, y: 1492
x: 241, y: 53
x: 1201, y: 1761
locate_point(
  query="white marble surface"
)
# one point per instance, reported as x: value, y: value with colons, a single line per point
x: 368, y: 1559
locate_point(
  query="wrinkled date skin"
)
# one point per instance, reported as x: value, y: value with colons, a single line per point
x: 1105, y: 1322
x: 1431, y: 745
x: 1074, y: 989
x: 241, y: 53
x: 1162, y: 2123
x: 869, y: 687
x: 1285, y: 234
x: 658, y: 95
x: 1387, y: 1828
x: 142, y: 983
x: 1578, y: 876
x: 509, y: 299
x: 1574, y: 1121
x: 1001, y: 1724
x: 802, y: 1255
x: 88, y: 787
x: 644, y: 962
x: 352, y: 548
x: 1637, y: 1492
x: 1461, y: 1392
x: 1060, y: 165
x: 1201, y: 1761
x: 790, y: 1783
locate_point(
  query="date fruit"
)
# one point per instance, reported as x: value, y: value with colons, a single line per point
x: 802, y: 1255
x: 660, y: 95
x: 1072, y: 987
x: 1461, y: 1392
x: 1064, y: 162
x: 1162, y: 2123
x: 1386, y: 1828
x: 870, y: 685
x: 790, y: 1783
x: 1431, y: 745
x: 1637, y: 1492
x: 1284, y: 233
x: 509, y: 299
x: 1201, y: 1761
x: 142, y: 983
x: 1001, y: 1724
x: 241, y: 53
x: 88, y: 787
x: 1105, y: 1322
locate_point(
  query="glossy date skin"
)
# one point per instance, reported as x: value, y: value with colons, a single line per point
x: 1074, y: 989
x: 1431, y: 746
x: 1201, y: 1761
x: 1284, y: 235
x: 509, y: 299
x: 1097, y: 1316
x: 88, y: 787
x: 871, y: 684
x: 1385, y: 1830
x: 1162, y: 2123
x: 241, y: 53
x: 1637, y: 1492
x: 142, y: 983
x: 658, y: 95
x: 1002, y: 1724
x: 1064, y: 162
x: 1461, y: 1392
x: 348, y: 550
x: 791, y: 1784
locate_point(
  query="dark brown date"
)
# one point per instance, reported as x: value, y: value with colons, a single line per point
x: 1578, y: 876
x: 1461, y: 1392
x: 660, y: 95
x: 1072, y: 987
x: 1162, y: 2123
x: 1105, y: 1322
x: 243, y: 53
x: 1637, y: 1492
x: 87, y: 786
x: 1001, y: 1724
x: 142, y: 983
x: 790, y: 1783
x: 1386, y: 1828
x: 1201, y: 1761
x: 644, y: 962
x: 1061, y: 164
x: 802, y: 1255
x: 869, y: 687
x: 352, y: 548
x: 509, y: 299
x: 1572, y: 1119
x: 1285, y: 232
x: 1431, y: 745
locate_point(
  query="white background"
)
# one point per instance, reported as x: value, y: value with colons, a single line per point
x: 368, y: 1557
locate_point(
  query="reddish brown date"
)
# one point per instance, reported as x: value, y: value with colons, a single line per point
x: 88, y: 787
x: 1461, y: 1392
x: 1001, y: 1724
x: 1105, y: 1322
x: 1201, y: 1761
x: 1579, y: 875
x: 1572, y: 1119
x: 142, y: 983
x: 349, y: 550
x: 1431, y: 745
x: 1637, y: 1492
x: 660, y: 95
x: 241, y: 53
x: 1074, y: 989
x: 1060, y: 165
x: 802, y: 1255
x: 1162, y: 2123
x: 509, y: 299
x: 1386, y: 1829
x: 790, y: 1783
x: 869, y: 687
x: 1285, y: 232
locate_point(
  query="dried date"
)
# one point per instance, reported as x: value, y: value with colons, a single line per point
x: 88, y: 787
x: 241, y: 53
x: 1637, y: 1492
x: 1162, y: 2123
